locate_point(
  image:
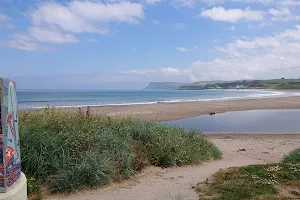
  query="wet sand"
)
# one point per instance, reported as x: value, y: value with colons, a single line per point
x: 175, y: 111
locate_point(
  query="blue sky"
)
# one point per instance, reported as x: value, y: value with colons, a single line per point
x: 117, y: 44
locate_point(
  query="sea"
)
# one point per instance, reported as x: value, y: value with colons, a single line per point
x: 29, y: 99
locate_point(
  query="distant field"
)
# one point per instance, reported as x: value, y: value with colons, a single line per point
x: 282, y: 84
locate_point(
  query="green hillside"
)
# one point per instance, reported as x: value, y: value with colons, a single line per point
x: 247, y: 84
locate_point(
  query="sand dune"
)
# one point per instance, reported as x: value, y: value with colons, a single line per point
x: 177, y: 183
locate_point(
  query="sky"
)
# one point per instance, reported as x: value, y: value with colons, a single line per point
x: 124, y: 44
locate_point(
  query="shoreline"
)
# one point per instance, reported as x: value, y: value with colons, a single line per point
x: 296, y: 93
x: 181, y: 110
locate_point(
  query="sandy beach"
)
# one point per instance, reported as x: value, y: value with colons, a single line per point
x: 174, y: 111
x: 178, y: 183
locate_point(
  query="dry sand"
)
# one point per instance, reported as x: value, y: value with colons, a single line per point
x: 177, y: 183
x: 174, y: 111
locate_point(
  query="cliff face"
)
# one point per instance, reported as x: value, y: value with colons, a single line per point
x: 164, y: 85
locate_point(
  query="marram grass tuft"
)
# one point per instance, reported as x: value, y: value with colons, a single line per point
x: 66, y: 151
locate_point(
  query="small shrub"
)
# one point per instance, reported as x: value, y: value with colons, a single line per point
x: 33, y: 189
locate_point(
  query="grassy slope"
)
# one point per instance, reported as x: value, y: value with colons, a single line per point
x: 282, y: 84
x: 66, y: 151
x: 273, y: 181
x: 263, y: 84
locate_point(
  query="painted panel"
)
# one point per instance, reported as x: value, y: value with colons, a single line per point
x: 10, y: 168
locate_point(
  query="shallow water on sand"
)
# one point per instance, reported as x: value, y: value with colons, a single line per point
x: 251, y: 121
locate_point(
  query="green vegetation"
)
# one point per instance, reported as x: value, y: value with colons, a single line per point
x: 68, y: 151
x: 241, y: 84
x: 273, y: 181
x: 261, y: 84
x: 282, y: 84
x: 293, y: 157
x: 264, y: 182
x: 33, y: 189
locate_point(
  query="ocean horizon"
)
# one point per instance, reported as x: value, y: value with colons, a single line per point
x: 36, y: 99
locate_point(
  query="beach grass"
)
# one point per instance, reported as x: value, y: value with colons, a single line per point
x: 273, y: 181
x: 265, y: 182
x: 293, y: 157
x: 66, y: 151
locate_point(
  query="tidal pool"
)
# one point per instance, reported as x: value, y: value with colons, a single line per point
x: 251, y: 121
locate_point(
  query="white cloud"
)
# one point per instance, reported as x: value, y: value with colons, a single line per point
x: 145, y: 72
x: 50, y: 36
x: 283, y: 14
x: 289, y: 2
x: 291, y: 35
x: 280, y: 12
x: 255, y: 43
x: 264, y: 2
x: 179, y: 26
x: 152, y: 2
x: 182, y: 49
x: 272, y: 56
x: 86, y: 16
x: 64, y: 18
x: 218, y: 69
x: 169, y: 71
x: 127, y: 12
x: 55, y: 23
x: 5, y: 21
x: 31, y: 41
x: 4, y: 18
x: 287, y: 37
x: 231, y: 28
x: 192, y: 3
x: 184, y: 3
x: 25, y: 45
x: 232, y: 15
x: 161, y: 74
x: 264, y: 54
x: 185, y: 49
x: 248, y: 67
x: 91, y: 40
x: 155, y: 22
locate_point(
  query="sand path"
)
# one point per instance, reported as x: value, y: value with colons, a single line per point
x: 177, y: 183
